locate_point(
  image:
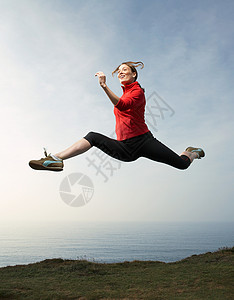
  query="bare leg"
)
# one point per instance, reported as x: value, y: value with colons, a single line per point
x: 191, y: 155
x: 79, y: 147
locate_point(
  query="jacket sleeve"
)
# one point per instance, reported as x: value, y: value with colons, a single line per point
x: 135, y: 98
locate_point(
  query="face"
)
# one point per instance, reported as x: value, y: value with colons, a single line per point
x: 125, y: 75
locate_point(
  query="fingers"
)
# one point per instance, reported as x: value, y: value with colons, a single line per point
x: 101, y: 78
x: 99, y: 74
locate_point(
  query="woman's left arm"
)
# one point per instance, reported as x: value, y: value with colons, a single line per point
x: 102, y: 81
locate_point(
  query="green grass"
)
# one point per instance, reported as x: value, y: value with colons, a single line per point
x: 206, y: 276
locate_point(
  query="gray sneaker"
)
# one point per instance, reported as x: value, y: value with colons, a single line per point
x: 199, y: 151
x: 47, y: 163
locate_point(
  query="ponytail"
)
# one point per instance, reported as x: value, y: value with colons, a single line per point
x: 133, y: 65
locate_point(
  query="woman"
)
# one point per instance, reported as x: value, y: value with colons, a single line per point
x: 134, y: 139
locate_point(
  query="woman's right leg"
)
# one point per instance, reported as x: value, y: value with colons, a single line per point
x: 110, y: 146
x: 78, y: 148
x: 55, y: 162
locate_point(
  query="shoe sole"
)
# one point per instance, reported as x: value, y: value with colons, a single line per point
x: 43, y: 168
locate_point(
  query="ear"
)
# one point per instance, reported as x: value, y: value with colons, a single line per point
x: 134, y: 74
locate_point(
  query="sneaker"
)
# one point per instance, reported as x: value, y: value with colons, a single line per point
x: 47, y: 163
x: 199, y: 151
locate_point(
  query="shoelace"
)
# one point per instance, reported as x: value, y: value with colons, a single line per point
x: 45, y: 152
x: 46, y: 155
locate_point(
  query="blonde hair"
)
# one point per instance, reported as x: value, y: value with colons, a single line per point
x: 133, y: 65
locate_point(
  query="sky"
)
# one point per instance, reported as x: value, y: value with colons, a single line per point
x: 49, y: 97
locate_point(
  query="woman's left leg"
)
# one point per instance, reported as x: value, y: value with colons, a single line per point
x: 155, y: 150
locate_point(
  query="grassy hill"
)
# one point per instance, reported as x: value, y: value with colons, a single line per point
x: 205, y: 276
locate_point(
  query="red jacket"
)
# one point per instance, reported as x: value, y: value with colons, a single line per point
x: 130, y: 112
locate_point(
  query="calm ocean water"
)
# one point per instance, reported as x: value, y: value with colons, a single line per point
x: 110, y: 242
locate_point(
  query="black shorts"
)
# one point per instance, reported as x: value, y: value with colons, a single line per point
x: 145, y: 145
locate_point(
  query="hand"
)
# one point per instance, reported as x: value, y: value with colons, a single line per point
x: 101, y: 78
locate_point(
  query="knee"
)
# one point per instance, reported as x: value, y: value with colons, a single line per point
x: 91, y: 133
x: 90, y: 137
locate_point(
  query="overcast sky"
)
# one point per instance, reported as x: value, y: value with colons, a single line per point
x: 49, y: 53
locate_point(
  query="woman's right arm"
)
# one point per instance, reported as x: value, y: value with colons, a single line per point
x: 102, y: 81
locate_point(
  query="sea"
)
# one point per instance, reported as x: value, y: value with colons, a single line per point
x: 110, y: 242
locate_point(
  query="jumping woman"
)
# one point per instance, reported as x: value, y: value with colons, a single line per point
x: 134, y: 139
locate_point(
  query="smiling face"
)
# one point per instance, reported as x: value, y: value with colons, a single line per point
x: 126, y: 75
